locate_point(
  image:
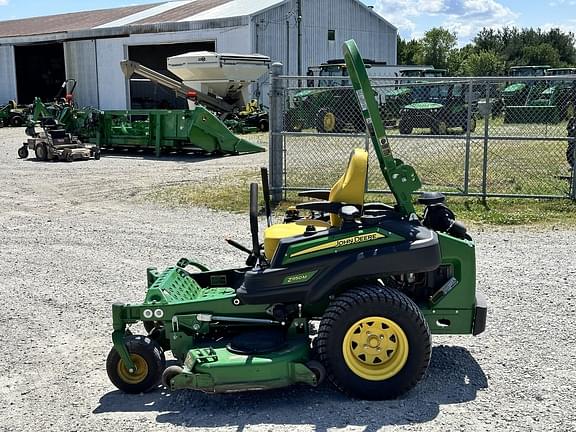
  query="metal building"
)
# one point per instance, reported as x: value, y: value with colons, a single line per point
x: 37, y: 54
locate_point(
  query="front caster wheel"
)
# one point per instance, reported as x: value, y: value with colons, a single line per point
x: 374, y: 342
x: 23, y: 152
x: 149, y: 360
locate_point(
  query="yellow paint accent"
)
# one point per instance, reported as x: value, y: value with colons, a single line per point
x: 375, y: 348
x: 139, y: 374
x: 273, y: 234
x: 362, y: 238
x: 315, y: 249
x: 351, y: 186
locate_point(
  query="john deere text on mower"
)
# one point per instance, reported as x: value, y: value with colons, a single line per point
x: 379, y: 279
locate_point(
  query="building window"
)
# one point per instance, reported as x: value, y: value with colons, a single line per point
x: 331, y: 35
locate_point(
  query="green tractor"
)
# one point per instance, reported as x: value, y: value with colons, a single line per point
x: 398, y: 98
x: 438, y: 107
x: 379, y: 279
x: 328, y: 108
x: 12, y: 115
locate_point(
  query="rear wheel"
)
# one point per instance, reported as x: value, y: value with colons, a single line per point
x: 374, y: 342
x: 41, y: 152
x: 326, y: 121
x: 439, y: 128
x: 404, y: 127
x: 149, y: 360
x: 17, y: 121
x: 263, y: 125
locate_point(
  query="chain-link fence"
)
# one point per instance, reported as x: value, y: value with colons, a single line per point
x: 473, y: 136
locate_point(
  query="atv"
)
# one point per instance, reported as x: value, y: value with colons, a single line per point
x: 379, y: 279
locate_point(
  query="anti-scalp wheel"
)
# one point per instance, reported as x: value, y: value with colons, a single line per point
x: 374, y: 342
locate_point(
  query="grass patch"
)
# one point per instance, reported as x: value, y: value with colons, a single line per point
x: 231, y: 194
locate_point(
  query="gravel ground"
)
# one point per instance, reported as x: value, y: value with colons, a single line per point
x: 75, y: 238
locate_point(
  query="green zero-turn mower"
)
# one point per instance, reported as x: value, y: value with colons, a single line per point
x: 378, y: 278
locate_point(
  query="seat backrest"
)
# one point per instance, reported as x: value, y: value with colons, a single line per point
x: 350, y: 188
x: 57, y: 133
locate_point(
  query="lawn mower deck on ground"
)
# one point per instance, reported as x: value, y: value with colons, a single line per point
x: 377, y: 278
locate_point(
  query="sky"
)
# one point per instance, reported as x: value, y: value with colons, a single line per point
x: 412, y: 17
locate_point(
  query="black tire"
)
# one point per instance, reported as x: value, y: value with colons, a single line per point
x: 412, y: 343
x: 41, y: 152
x: 148, y: 354
x: 263, y: 125
x: 439, y: 128
x: 318, y: 369
x: 97, y: 155
x: 16, y: 121
x: 68, y: 157
x: 327, y: 121
x: 404, y: 127
x: 472, y: 125
x: 23, y: 152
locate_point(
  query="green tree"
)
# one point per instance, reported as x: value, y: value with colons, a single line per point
x: 408, y: 51
x: 519, y: 46
x: 437, y: 44
x: 455, y: 62
x: 484, y: 63
x: 542, y: 54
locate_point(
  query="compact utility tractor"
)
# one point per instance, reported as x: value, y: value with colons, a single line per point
x: 378, y: 278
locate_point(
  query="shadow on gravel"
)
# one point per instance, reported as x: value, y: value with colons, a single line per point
x: 454, y: 377
x: 172, y: 157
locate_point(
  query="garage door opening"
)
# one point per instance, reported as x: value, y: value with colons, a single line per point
x: 147, y: 95
x: 40, y: 71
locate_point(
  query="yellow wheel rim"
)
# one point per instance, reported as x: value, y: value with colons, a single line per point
x: 375, y: 348
x: 138, y: 375
x: 329, y: 121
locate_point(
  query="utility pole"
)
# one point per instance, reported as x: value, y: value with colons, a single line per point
x: 299, y: 25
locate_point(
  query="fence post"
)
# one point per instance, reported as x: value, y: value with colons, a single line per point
x: 573, y: 188
x: 468, y: 132
x: 275, y: 152
x: 485, y: 152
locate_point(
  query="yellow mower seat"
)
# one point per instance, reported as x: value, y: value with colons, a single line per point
x: 349, y: 188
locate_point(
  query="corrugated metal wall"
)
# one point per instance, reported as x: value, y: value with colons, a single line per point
x: 276, y: 33
x: 350, y: 20
x: 80, y: 58
x: 7, y: 74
